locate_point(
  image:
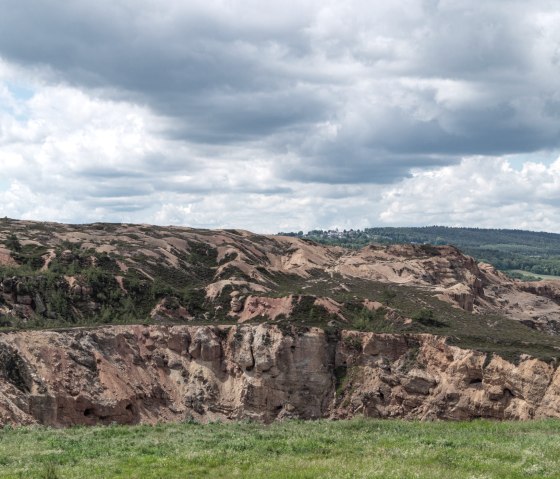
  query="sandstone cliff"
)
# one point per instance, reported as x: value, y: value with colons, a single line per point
x: 145, y: 374
x: 237, y: 327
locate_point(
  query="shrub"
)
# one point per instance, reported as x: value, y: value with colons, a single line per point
x: 367, y: 320
x: 13, y: 243
x: 427, y: 317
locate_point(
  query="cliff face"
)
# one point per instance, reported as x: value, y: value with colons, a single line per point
x: 144, y: 374
x: 179, y: 279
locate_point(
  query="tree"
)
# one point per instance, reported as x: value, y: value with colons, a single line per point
x: 387, y: 296
x: 13, y: 243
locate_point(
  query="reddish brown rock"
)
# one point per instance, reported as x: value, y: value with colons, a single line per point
x: 145, y: 374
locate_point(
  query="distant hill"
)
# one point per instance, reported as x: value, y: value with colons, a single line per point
x: 530, y: 251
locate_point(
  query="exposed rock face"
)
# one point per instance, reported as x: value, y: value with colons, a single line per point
x: 456, y: 278
x: 132, y: 374
x: 423, y: 377
x: 182, y: 274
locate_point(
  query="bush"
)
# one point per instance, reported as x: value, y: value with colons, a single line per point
x: 367, y: 320
x: 12, y: 243
x: 427, y: 317
x: 387, y: 296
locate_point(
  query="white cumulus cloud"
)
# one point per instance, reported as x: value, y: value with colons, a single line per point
x: 284, y: 115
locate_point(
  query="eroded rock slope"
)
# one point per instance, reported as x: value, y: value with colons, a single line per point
x: 103, y: 273
x: 238, y: 325
x: 144, y: 374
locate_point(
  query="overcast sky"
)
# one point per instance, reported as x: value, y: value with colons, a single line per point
x: 280, y: 116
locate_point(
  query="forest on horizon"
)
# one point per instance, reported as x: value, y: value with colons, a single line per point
x: 508, y: 250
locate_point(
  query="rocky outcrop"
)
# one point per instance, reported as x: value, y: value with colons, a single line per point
x: 144, y: 374
x: 423, y: 377
x: 99, y: 273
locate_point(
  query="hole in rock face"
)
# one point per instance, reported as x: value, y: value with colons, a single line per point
x: 88, y: 412
x: 508, y: 392
x: 476, y: 381
x: 129, y: 407
x: 15, y: 371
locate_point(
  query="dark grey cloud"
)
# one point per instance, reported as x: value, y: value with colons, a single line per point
x: 98, y: 173
x: 350, y: 93
x: 473, y: 40
x: 115, y: 189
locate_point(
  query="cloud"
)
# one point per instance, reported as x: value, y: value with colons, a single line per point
x: 478, y: 192
x: 78, y: 158
x: 135, y: 110
x: 416, y: 78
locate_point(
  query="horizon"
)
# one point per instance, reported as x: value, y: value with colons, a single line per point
x: 286, y: 117
x: 279, y: 232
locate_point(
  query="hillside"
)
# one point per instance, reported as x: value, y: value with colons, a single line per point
x: 507, y: 250
x: 55, y: 275
x: 126, y: 323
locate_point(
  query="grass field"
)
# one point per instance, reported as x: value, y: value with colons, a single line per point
x: 358, y: 448
x: 535, y: 275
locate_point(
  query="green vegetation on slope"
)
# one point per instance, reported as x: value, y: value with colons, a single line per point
x: 104, y: 299
x: 358, y: 448
x: 96, y: 274
x: 486, y: 332
x: 529, y: 251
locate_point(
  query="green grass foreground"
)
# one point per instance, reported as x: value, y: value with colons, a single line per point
x: 358, y: 448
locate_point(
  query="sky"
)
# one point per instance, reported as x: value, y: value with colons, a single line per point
x: 281, y: 115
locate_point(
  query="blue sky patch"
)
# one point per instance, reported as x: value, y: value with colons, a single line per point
x: 20, y: 92
x: 544, y: 157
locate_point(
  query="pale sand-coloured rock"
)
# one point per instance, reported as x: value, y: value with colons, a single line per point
x: 146, y: 374
x: 242, y: 256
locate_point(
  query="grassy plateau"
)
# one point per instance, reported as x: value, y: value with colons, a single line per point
x: 359, y: 448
